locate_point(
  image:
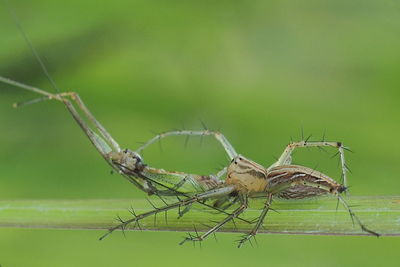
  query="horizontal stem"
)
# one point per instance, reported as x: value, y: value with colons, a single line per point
x: 315, y: 216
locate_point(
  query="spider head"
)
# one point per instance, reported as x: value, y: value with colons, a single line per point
x: 127, y: 161
x: 342, y: 189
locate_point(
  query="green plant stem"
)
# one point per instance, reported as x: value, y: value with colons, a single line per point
x: 315, y: 216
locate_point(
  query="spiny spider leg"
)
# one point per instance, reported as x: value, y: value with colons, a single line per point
x: 74, y: 96
x: 61, y: 97
x: 175, y: 182
x: 219, y: 136
x: 353, y: 216
x: 259, y: 222
x: 286, y: 157
x: 221, y: 173
x: 154, y: 178
x: 100, y: 144
x: 197, y: 198
x: 233, y: 215
x: 182, y: 180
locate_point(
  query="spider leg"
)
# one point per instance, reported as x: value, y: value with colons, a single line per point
x: 184, y: 202
x: 219, y: 136
x: 75, y: 97
x: 286, y: 157
x: 354, y: 217
x: 102, y: 145
x: 181, y: 182
x: 231, y: 216
x: 259, y: 223
x: 61, y: 97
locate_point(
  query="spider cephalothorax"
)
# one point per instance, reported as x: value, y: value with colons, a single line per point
x: 246, y: 175
x: 127, y: 161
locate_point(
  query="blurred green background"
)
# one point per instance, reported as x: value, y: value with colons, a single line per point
x: 259, y: 71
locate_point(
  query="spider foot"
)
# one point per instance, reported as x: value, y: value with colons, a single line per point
x: 246, y: 238
x: 193, y: 238
x: 365, y: 229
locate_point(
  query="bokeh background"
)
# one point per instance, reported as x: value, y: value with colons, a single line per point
x: 259, y: 71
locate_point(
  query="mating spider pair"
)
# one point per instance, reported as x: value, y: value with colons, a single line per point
x: 244, y: 178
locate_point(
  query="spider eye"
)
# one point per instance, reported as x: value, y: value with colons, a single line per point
x: 240, y: 158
